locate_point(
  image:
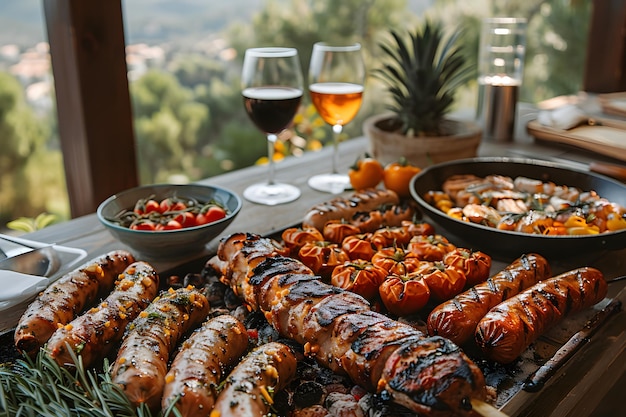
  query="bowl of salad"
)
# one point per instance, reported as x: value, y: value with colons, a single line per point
x: 165, y: 221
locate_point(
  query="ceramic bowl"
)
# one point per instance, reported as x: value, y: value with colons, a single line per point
x: 168, y: 244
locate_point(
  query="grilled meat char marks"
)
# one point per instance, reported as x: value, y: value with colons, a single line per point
x: 509, y: 328
x: 341, y: 332
x: 149, y: 340
x: 247, y: 390
x: 99, y: 329
x: 63, y: 300
x: 195, y: 374
x: 457, y: 318
x: 414, y: 383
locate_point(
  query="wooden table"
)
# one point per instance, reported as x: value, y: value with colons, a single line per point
x: 578, y: 387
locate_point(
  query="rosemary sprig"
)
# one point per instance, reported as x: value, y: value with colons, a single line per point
x: 43, y: 388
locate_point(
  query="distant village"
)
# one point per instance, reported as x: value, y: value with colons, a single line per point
x: 33, y: 68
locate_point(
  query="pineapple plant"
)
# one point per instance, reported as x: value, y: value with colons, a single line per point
x: 422, y: 77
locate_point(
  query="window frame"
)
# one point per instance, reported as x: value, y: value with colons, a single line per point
x: 87, y: 49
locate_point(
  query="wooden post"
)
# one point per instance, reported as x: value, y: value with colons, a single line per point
x: 93, y: 103
x: 605, y: 65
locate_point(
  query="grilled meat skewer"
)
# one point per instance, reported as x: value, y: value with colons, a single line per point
x: 428, y: 375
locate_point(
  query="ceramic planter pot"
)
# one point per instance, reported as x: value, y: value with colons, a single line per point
x: 461, y: 142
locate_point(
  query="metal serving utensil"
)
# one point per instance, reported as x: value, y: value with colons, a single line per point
x: 42, y: 261
x: 605, y: 168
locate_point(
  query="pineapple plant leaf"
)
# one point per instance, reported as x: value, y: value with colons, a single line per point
x: 422, y: 76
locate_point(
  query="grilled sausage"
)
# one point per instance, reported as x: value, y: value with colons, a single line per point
x: 62, y: 301
x: 249, y: 387
x: 510, y: 327
x: 99, y: 329
x: 141, y: 363
x: 197, y: 369
x: 345, y: 208
x: 339, y: 330
x: 456, y: 319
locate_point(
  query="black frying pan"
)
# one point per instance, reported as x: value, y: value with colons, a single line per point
x: 514, y: 244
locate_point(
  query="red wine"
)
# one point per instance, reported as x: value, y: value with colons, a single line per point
x: 271, y: 108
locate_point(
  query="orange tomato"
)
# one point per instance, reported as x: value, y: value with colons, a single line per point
x: 475, y: 265
x: 404, y: 294
x: 397, y: 177
x: 358, y: 247
x: 396, y: 260
x: 337, y: 230
x: 295, y: 237
x: 322, y: 257
x: 359, y: 276
x: 431, y: 247
x: 366, y: 173
x: 443, y: 281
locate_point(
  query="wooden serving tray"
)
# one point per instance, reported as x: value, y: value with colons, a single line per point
x: 608, y: 137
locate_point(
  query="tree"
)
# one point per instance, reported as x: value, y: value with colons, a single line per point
x: 28, y: 178
x: 167, y: 123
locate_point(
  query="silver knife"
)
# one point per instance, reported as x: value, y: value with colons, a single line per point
x: 610, y: 170
x: 42, y: 261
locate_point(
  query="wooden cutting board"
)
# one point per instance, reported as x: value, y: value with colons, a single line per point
x: 606, y: 138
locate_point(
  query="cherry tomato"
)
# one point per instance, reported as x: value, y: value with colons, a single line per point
x: 390, y: 236
x: 475, y: 265
x: 165, y: 205
x: 143, y: 207
x: 322, y: 257
x: 213, y: 214
x: 366, y: 173
x: 404, y: 294
x: 295, y: 237
x: 359, y: 276
x: 397, y: 177
x: 416, y: 228
x: 151, y: 206
x: 444, y: 281
x: 396, y: 260
x: 186, y: 219
x: 143, y: 225
x: 172, y: 225
x: 358, y: 247
x: 337, y: 230
x: 171, y: 204
x: 431, y: 247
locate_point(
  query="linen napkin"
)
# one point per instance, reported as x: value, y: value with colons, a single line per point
x: 564, y: 117
x: 16, y: 287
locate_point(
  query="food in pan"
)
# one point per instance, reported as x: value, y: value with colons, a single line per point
x: 527, y: 205
x: 510, y: 327
x: 457, y: 318
x: 142, y: 360
x: 94, y: 333
x: 193, y: 380
x: 65, y: 299
x: 339, y: 330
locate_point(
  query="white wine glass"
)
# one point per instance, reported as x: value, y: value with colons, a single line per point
x: 336, y: 77
x: 272, y: 88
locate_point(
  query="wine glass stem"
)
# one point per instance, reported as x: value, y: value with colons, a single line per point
x: 336, y: 133
x: 271, y: 146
